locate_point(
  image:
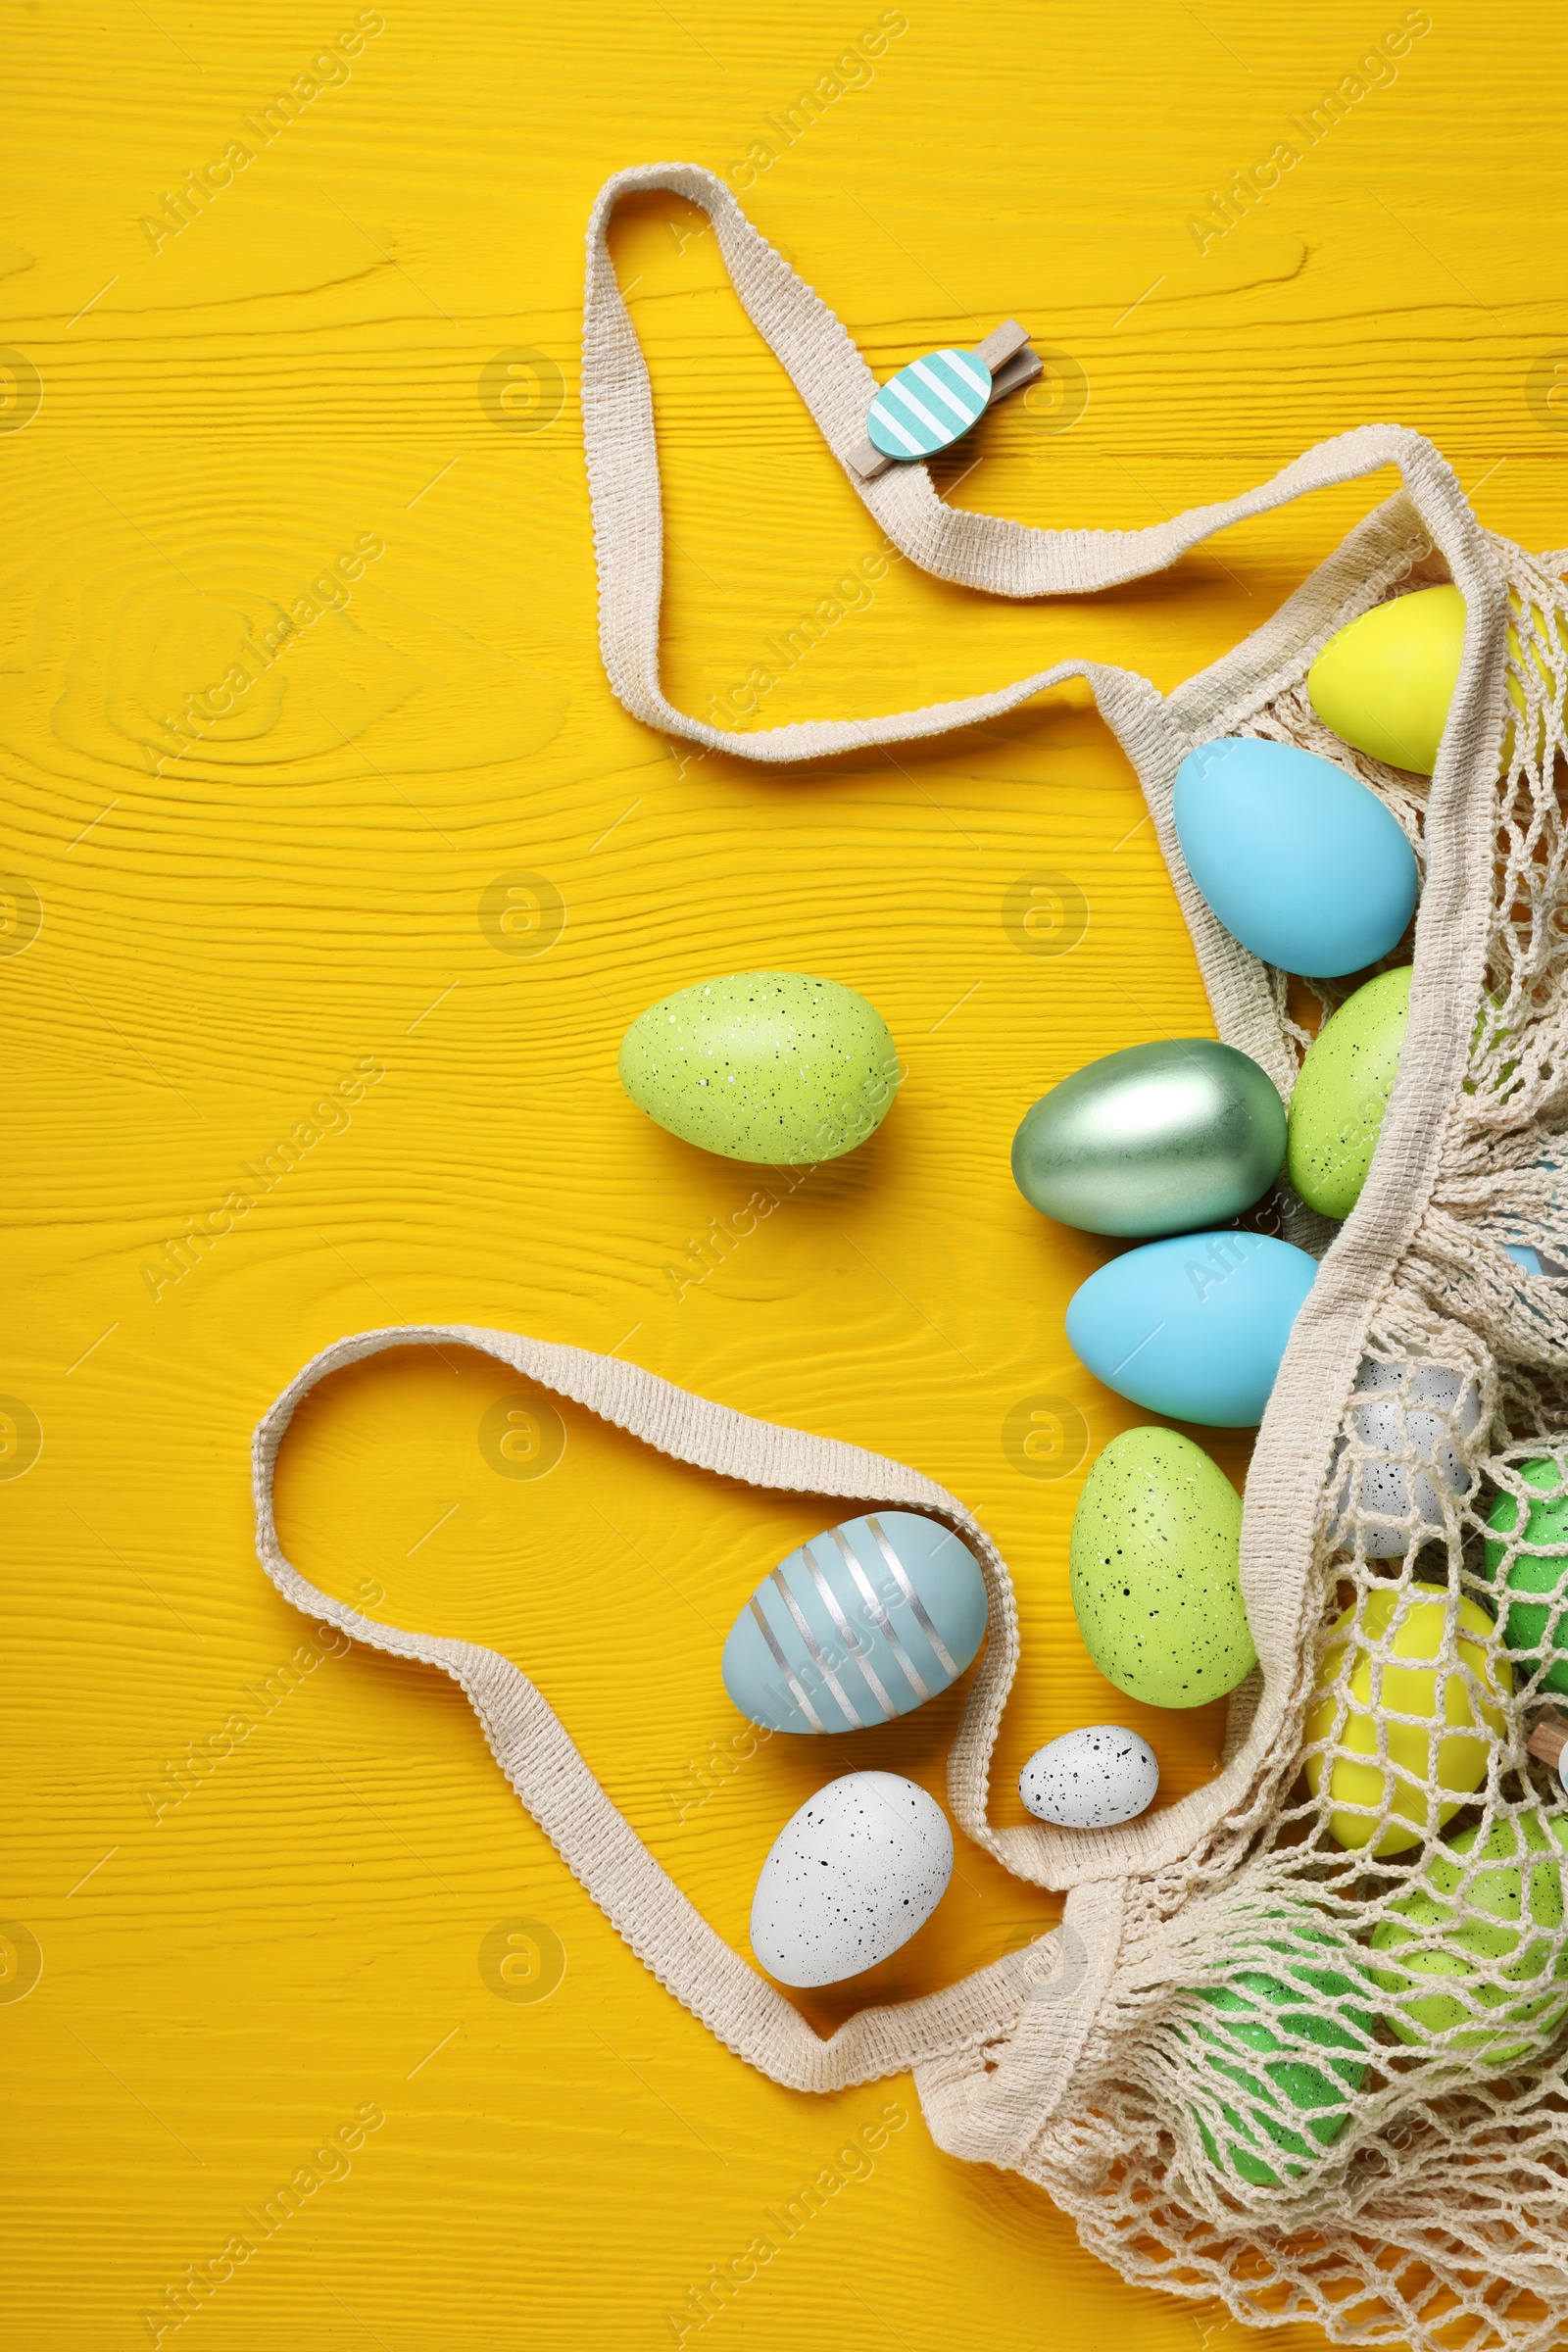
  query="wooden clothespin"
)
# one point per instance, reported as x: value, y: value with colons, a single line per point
x: 933, y: 402
x: 1548, y: 1739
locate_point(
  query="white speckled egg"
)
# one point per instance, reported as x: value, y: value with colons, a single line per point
x: 1091, y: 1779
x: 851, y: 1877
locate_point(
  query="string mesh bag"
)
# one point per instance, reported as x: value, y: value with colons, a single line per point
x: 1298, y: 2043
x: 1348, y: 2000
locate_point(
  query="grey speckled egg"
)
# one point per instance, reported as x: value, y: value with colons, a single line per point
x: 851, y: 1877
x: 1091, y: 1779
x: 1414, y: 1418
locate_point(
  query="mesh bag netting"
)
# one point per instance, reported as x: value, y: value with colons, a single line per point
x: 1348, y: 2004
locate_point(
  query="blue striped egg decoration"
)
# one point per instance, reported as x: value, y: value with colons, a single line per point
x: 929, y: 404
x: 861, y: 1623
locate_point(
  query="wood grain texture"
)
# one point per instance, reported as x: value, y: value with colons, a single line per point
x: 236, y: 920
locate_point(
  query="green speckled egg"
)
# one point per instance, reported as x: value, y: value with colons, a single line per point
x: 1450, y: 1939
x: 775, y: 1067
x: 1288, y: 2041
x: 1537, y: 1627
x: 1156, y: 1582
x: 1337, y: 1109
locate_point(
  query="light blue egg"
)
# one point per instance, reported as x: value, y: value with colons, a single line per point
x: 1299, y: 861
x: 1533, y: 1261
x: 1193, y: 1326
x: 1524, y: 1253
x: 861, y: 1623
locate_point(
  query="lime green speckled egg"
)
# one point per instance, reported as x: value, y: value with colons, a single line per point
x: 1341, y: 1095
x: 1154, y: 1564
x: 774, y: 1068
x: 1458, y: 1948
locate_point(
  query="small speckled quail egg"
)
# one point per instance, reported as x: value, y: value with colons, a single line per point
x: 1091, y: 1779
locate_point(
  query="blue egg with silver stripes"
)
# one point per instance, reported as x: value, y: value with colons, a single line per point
x: 928, y: 404
x: 861, y: 1623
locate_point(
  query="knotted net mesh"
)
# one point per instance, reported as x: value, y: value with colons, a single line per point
x: 1328, y: 2084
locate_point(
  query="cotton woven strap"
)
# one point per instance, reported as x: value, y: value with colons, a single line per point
x: 534, y: 1752
x: 1011, y: 559
x: 977, y: 550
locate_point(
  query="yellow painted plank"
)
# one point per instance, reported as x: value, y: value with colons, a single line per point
x: 281, y: 923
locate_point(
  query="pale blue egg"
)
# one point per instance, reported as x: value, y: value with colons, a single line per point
x: 1525, y: 1254
x: 861, y: 1623
x: 1297, y: 858
x: 1193, y: 1326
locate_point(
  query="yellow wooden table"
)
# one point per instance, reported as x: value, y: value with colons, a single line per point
x: 291, y: 306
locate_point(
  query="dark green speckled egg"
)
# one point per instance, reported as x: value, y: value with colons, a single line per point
x: 773, y: 1067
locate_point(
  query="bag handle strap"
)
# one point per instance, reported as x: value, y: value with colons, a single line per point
x: 533, y: 1749
x: 977, y: 550
x: 528, y: 1740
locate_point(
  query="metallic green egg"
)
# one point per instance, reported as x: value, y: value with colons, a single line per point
x: 1159, y: 1139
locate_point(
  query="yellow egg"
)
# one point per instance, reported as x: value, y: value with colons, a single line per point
x: 1385, y: 683
x: 1378, y: 1690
